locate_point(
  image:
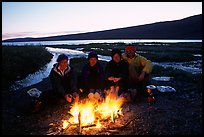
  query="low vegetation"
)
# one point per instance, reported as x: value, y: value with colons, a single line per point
x: 19, y: 61
x: 157, y: 52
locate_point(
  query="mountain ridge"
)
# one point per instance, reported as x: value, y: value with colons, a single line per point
x: 186, y: 28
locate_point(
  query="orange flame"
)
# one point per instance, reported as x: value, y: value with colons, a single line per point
x: 93, y: 111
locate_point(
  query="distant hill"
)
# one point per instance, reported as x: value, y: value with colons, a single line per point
x: 187, y: 28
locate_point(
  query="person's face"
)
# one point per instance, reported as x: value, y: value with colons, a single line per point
x: 92, y: 61
x: 116, y: 58
x: 130, y: 53
x: 63, y: 64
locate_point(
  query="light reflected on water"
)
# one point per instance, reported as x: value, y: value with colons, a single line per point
x: 77, y: 42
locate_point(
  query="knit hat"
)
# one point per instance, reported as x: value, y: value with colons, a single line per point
x: 92, y: 54
x: 114, y: 51
x: 62, y: 57
x: 130, y: 48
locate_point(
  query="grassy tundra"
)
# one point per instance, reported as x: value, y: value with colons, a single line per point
x: 19, y: 61
x: 157, y: 52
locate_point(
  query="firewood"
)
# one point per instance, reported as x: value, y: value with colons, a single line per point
x: 79, y: 119
x: 124, y: 126
x: 112, y: 131
x: 52, y: 133
x: 91, y: 125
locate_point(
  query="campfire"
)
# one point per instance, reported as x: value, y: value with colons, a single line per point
x: 93, y: 112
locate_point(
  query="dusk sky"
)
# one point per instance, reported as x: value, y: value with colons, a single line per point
x: 39, y: 19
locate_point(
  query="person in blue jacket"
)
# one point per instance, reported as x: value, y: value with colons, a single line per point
x: 92, y: 75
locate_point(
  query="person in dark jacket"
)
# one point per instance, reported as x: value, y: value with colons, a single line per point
x: 116, y: 73
x: 92, y: 75
x: 63, y: 79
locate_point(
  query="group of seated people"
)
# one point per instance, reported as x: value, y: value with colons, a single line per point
x: 121, y: 74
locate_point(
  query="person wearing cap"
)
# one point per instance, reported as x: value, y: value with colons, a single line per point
x: 92, y: 75
x: 63, y: 79
x: 140, y: 69
x: 116, y: 73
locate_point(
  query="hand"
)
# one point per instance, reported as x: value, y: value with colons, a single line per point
x: 116, y: 79
x: 111, y: 78
x: 68, y: 98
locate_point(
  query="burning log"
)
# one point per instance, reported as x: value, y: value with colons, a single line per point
x: 79, y: 119
x: 91, y: 125
x: 59, y: 126
x: 90, y: 112
x: 113, y: 117
x: 108, y: 128
x: 112, y: 131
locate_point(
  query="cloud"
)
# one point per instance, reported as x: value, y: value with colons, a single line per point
x: 64, y: 32
x: 18, y: 35
x: 36, y: 34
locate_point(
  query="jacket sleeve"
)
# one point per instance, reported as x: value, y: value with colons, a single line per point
x: 124, y: 57
x: 56, y: 83
x: 107, y: 71
x: 102, y: 76
x: 85, y: 74
x: 73, y: 81
x: 147, y: 64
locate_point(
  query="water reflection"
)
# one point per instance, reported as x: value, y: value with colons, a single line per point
x: 35, y: 77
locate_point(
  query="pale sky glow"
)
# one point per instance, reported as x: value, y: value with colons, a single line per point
x: 37, y: 19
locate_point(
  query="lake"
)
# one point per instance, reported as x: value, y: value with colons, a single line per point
x: 77, y: 42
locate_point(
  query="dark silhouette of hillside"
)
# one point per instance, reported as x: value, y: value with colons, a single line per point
x: 187, y: 28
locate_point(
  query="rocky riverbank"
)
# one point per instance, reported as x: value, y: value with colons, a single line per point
x: 176, y: 113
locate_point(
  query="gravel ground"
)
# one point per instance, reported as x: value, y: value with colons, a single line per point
x: 178, y: 113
